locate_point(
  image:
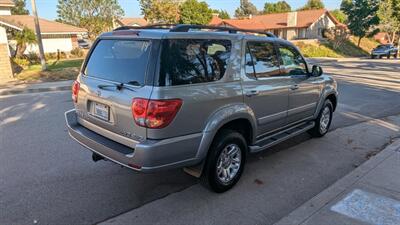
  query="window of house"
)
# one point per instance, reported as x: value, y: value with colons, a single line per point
x: 191, y: 61
x: 320, y: 32
x: 292, y: 61
x: 261, y: 60
x: 302, y: 33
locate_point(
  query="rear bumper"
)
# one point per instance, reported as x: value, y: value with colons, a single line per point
x: 147, y: 156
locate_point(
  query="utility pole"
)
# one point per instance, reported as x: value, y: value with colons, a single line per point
x: 38, y: 36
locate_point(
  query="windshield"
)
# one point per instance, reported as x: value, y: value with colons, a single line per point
x: 382, y: 47
x: 119, y: 60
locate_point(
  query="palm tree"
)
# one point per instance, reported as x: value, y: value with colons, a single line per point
x: 23, y: 39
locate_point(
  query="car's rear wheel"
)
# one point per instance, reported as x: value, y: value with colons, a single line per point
x: 372, y: 57
x: 323, y: 121
x: 395, y: 56
x: 225, y: 161
x: 388, y: 55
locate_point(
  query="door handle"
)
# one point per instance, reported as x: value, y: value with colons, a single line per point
x: 252, y: 93
x: 294, y: 87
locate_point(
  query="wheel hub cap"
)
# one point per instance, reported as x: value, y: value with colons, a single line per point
x: 228, y: 163
x: 325, y: 119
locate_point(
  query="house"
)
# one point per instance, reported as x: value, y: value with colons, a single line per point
x: 382, y: 37
x: 129, y: 21
x: 308, y: 24
x: 55, y: 36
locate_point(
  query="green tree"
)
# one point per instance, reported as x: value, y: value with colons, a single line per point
x: 194, y: 12
x: 19, y: 8
x: 223, y: 14
x: 313, y: 4
x: 246, y: 8
x: 278, y: 7
x: 388, y: 21
x: 339, y: 15
x: 160, y: 11
x: 23, y: 39
x: 396, y: 15
x: 95, y: 15
x: 361, y: 16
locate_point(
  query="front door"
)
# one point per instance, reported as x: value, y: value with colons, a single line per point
x: 304, y: 89
x: 265, y: 89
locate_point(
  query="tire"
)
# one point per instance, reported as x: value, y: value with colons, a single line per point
x: 381, y: 56
x: 322, y: 123
x: 395, y: 56
x: 388, y: 56
x: 372, y: 57
x: 215, y: 165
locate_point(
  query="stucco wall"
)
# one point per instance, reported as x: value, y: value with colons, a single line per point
x: 5, y: 11
x: 50, y: 45
x: 5, y: 65
x: 323, y: 22
x: 291, y: 34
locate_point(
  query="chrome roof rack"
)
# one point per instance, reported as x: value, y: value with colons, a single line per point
x: 188, y: 27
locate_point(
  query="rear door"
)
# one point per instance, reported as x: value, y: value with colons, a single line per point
x: 114, y: 74
x: 265, y: 89
x: 304, y: 90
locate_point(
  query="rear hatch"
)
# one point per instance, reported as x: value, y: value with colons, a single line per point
x: 115, y: 73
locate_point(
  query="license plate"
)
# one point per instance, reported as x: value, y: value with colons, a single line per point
x: 102, y: 111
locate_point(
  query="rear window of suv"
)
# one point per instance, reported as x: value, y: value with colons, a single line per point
x: 123, y: 61
x: 191, y: 61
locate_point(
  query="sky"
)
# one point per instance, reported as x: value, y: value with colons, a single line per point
x: 48, y: 8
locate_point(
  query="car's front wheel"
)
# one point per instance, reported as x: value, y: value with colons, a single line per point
x: 323, y: 121
x: 225, y: 161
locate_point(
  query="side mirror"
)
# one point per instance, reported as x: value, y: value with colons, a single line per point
x: 316, y: 71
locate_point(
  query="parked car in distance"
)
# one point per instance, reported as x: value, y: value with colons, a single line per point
x: 386, y: 50
x: 82, y: 43
x: 152, y: 99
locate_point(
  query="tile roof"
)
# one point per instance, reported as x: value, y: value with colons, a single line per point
x: 7, y: 3
x: 279, y: 20
x: 132, y: 21
x: 215, y: 21
x: 46, y: 26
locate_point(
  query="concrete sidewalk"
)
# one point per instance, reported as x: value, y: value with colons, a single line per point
x: 25, y: 88
x: 368, y: 195
x: 250, y: 202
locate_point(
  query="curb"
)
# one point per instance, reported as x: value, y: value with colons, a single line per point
x: 318, y: 202
x: 34, y: 90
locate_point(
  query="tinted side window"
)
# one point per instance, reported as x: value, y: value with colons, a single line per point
x: 264, y: 58
x: 191, y: 61
x: 122, y: 61
x: 292, y: 61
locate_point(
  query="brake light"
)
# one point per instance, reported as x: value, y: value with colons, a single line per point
x: 75, y: 90
x: 155, y: 114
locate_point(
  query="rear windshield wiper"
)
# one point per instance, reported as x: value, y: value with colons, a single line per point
x: 121, y: 86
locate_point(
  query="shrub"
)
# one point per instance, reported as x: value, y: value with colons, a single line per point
x: 77, y: 52
x: 51, y: 55
x: 33, y: 58
x: 21, y: 62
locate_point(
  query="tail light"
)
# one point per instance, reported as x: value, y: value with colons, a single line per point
x: 75, y: 90
x: 155, y: 114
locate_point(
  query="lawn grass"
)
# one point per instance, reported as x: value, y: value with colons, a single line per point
x: 348, y: 49
x: 66, y: 69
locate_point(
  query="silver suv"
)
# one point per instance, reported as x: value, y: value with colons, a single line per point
x: 195, y: 97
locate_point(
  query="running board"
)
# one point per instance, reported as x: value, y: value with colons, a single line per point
x: 281, y: 136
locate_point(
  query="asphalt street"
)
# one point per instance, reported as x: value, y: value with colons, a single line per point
x: 47, y: 178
